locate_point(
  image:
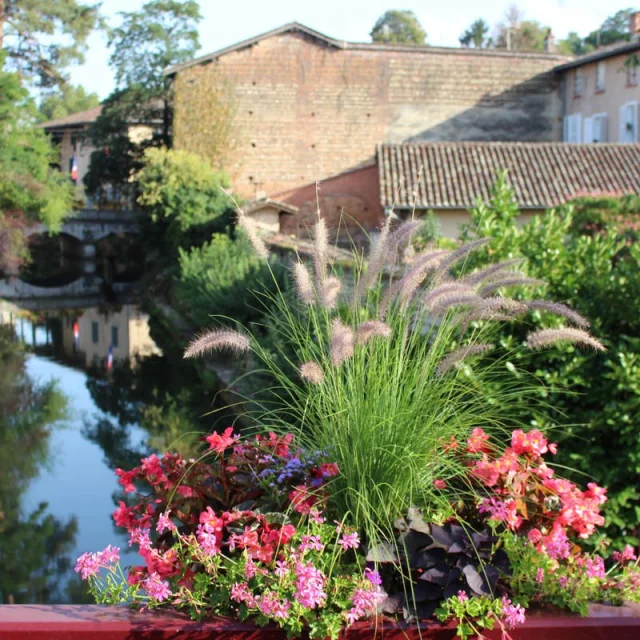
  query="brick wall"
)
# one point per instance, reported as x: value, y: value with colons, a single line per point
x: 304, y: 110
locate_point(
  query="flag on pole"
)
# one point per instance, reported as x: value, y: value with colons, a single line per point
x: 76, y: 335
x: 110, y: 358
x: 74, y: 168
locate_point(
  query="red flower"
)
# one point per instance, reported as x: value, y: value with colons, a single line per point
x: 124, y: 516
x: 126, y: 479
x: 329, y: 469
x: 439, y: 484
x: 301, y: 499
x: 477, y: 442
x: 219, y: 443
x: 532, y: 442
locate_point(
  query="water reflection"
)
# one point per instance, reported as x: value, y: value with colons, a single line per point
x: 129, y: 393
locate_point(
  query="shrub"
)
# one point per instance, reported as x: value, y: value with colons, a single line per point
x: 595, y: 396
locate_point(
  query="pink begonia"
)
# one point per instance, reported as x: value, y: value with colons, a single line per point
x: 157, y: 588
x: 628, y: 554
x: 349, y: 541
x: 165, y: 523
x: 513, y: 614
x: 477, y: 442
x: 310, y: 586
x: 140, y: 537
x: 311, y: 542
x: 532, y: 442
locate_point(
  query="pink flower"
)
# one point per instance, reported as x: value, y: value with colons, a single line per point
x: 165, y: 523
x: 477, y: 442
x: 540, y: 575
x: 316, y: 517
x: 628, y: 554
x: 87, y: 565
x: 462, y: 596
x: 595, y: 567
x: 110, y: 555
x: 219, y: 443
x: 439, y: 484
x: 310, y: 585
x: 349, y: 541
x: 514, y: 614
x: 140, y: 537
x: 240, y: 592
x: 364, y: 602
x: 532, y: 442
x: 125, y: 478
x: 124, y: 516
x: 501, y: 511
x: 372, y: 576
x: 329, y: 469
x: 562, y: 581
x: 282, y: 569
x: 156, y: 588
x: 311, y: 542
x: 534, y: 536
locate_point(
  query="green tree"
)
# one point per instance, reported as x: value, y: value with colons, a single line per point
x: 573, y: 44
x: 476, y: 35
x: 398, y: 26
x: 30, y: 189
x: 67, y: 99
x: 614, y: 29
x: 162, y: 33
x: 516, y: 34
x: 42, y: 37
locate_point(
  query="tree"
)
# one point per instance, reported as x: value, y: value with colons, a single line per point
x: 614, y: 29
x: 574, y: 45
x: 42, y: 37
x: 161, y: 34
x: 30, y: 189
x: 516, y: 34
x: 398, y: 26
x: 66, y: 100
x: 476, y: 35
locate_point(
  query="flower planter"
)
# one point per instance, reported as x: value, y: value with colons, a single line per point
x: 71, y: 622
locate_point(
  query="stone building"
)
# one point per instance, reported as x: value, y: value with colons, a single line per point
x: 293, y: 107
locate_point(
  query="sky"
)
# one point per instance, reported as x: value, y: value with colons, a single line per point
x: 226, y: 23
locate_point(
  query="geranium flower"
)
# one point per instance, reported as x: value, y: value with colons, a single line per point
x: 477, y: 442
x: 220, y: 443
x: 156, y: 588
x: 373, y: 576
x: 125, y: 478
x: 628, y: 554
x: 513, y: 614
x: 165, y: 523
x: 349, y: 541
x: 124, y: 516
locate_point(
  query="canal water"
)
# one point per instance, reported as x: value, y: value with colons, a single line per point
x: 82, y: 391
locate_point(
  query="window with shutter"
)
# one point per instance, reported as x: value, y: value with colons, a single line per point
x: 629, y: 122
x: 572, y: 128
x: 599, y: 127
x: 588, y: 130
x: 600, y: 67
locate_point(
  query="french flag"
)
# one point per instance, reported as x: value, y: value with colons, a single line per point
x: 110, y: 358
x: 74, y: 168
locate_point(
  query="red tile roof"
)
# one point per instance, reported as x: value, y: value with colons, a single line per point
x: 74, y: 119
x: 441, y: 175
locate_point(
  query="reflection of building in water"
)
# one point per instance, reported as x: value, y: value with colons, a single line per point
x: 104, y: 337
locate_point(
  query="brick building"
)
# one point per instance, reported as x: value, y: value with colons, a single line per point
x: 300, y: 108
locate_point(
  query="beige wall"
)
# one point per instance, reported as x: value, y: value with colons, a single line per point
x: 617, y: 92
x: 83, y: 157
x: 451, y: 219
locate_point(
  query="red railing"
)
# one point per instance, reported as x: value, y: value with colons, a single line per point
x: 70, y: 622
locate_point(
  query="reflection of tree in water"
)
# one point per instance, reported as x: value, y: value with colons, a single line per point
x: 34, y: 547
x: 167, y: 396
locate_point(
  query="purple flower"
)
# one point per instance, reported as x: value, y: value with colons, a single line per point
x: 372, y: 576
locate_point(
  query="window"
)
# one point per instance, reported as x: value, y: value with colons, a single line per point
x: 629, y: 122
x: 114, y: 337
x: 632, y: 74
x: 600, y: 76
x: 595, y: 128
x: 95, y: 332
x: 572, y: 128
x: 577, y: 83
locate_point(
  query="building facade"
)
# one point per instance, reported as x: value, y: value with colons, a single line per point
x: 601, y: 93
x: 302, y: 108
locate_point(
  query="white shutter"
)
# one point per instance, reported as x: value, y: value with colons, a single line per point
x: 622, y: 134
x: 565, y: 127
x: 599, y: 127
x: 629, y: 122
x: 588, y: 130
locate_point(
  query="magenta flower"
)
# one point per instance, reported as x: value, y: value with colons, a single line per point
x: 372, y: 576
x: 349, y: 541
x: 140, y: 537
x: 462, y: 596
x: 281, y: 569
x: 156, y: 588
x: 110, y: 555
x: 165, y: 523
x: 540, y: 575
x: 310, y: 586
x: 311, y: 542
x: 87, y: 565
x: 514, y: 614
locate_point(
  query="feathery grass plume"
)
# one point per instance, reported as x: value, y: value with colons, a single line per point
x: 404, y: 288
x: 330, y: 291
x: 320, y: 247
x: 217, y: 339
x: 372, y: 329
x: 304, y: 285
x: 430, y: 300
x: 460, y: 354
x: 546, y: 337
x: 458, y: 254
x: 312, y: 372
x: 516, y: 281
x: 481, y: 275
x: 397, y: 239
x: 376, y: 260
x: 561, y: 310
x: 446, y: 302
x: 251, y: 229
x: 342, y: 340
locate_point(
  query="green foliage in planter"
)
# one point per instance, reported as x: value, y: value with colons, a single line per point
x: 594, y: 396
x: 220, y: 278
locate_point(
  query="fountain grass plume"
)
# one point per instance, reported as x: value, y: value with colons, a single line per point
x: 455, y: 357
x: 342, y: 341
x: 311, y: 372
x: 330, y: 292
x: 372, y: 329
x: 512, y: 281
x: 376, y: 260
x: 559, y: 309
x: 475, y: 278
x: 304, y: 284
x: 217, y: 340
x: 548, y: 337
x: 251, y: 229
x: 320, y: 249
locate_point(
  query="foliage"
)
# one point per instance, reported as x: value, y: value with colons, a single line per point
x: 65, y: 100
x: 280, y: 564
x: 221, y: 278
x: 615, y: 28
x: 30, y: 190
x: 585, y: 254
x: 520, y: 35
x: 476, y: 35
x: 397, y: 26
x: 41, y: 38
x: 574, y: 45
x: 34, y: 549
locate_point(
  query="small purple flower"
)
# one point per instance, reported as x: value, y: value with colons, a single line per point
x: 372, y: 576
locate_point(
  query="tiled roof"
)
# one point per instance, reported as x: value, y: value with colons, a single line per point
x: 74, y: 119
x: 443, y: 175
x: 615, y: 49
x: 343, y: 44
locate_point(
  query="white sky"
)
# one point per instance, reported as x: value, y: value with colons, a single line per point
x: 228, y: 22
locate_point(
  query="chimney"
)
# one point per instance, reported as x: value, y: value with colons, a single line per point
x: 634, y: 25
x: 549, y: 45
